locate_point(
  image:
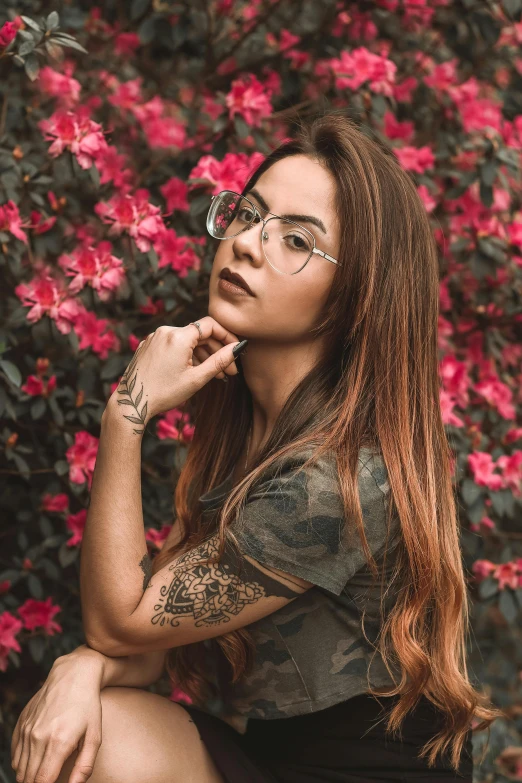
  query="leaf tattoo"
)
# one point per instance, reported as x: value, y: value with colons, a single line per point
x: 126, y: 389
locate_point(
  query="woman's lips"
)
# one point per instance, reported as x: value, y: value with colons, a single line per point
x: 231, y: 288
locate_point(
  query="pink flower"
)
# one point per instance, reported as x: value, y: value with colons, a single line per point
x: 249, y: 99
x: 180, y: 696
x: 39, y: 614
x: 397, y: 130
x: 57, y: 503
x: 59, y: 85
x: 157, y: 537
x: 76, y: 524
x: 134, y: 214
x: 81, y: 457
x: 165, y: 132
x: 482, y: 569
x: 9, y: 627
x: 498, y: 395
x: 94, y: 333
x: 417, y: 159
x: 7, y: 33
x: 75, y: 132
x: 511, y: 466
x: 507, y: 575
x: 38, y: 386
x: 175, y: 425
x: 94, y: 266
x: 41, y: 224
x: 447, y: 403
x: 482, y: 466
x: 175, y: 192
x: 126, y: 95
x: 113, y: 168
x: 47, y: 296
x: 231, y: 173
x: 360, y: 65
x: 173, y: 251
x: 11, y: 221
x: 125, y: 44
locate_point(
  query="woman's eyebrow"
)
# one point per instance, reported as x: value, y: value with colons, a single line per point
x: 298, y: 218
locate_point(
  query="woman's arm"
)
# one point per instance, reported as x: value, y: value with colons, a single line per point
x: 134, y: 671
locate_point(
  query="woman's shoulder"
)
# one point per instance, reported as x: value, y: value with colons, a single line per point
x: 370, y: 465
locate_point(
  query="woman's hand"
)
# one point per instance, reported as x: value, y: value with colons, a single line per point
x: 63, y: 715
x: 163, y: 373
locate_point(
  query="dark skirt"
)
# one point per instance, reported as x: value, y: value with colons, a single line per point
x: 337, y: 744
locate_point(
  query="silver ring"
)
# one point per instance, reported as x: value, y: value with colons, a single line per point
x: 196, y: 323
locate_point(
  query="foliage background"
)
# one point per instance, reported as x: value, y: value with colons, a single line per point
x: 112, y: 142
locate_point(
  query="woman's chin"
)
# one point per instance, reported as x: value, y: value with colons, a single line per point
x: 225, y: 314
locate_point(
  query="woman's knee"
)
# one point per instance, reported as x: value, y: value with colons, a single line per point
x: 146, y: 737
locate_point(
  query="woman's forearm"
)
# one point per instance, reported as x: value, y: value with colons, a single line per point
x: 134, y: 671
x: 115, y: 566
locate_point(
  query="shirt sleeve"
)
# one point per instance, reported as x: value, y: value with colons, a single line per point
x: 295, y: 521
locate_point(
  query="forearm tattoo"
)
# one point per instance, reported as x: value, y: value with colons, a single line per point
x: 146, y: 567
x: 125, y: 389
x: 212, y: 594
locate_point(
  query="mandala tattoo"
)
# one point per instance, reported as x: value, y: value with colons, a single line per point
x: 146, y: 567
x: 213, y: 593
x: 126, y: 389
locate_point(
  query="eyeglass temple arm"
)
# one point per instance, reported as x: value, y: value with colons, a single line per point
x: 325, y: 255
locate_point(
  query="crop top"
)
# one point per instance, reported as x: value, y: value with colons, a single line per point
x: 312, y: 654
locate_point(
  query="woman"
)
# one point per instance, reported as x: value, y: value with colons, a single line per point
x: 316, y: 594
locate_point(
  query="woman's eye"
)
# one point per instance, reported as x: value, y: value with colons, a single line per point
x: 247, y: 215
x: 298, y: 242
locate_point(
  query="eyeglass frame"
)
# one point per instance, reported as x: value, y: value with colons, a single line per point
x: 264, y: 222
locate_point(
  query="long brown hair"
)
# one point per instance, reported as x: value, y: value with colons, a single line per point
x: 378, y: 382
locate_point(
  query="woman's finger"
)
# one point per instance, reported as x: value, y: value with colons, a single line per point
x: 24, y: 758
x: 202, y: 353
x: 211, y: 328
x: 214, y: 346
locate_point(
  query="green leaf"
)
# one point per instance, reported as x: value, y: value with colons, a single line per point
x: 470, y: 491
x: 46, y: 527
x: 488, y: 588
x: 26, y: 48
x: 508, y: 605
x: 35, y: 587
x: 492, y: 250
x: 138, y: 8
x: 512, y: 8
x: 31, y: 67
x: 67, y: 555
x: 31, y: 23
x: 38, y: 408
x: 61, y: 467
x: 153, y: 259
x: 36, y: 646
x: 488, y: 172
x: 53, y: 20
x: 70, y: 42
x: 242, y: 129
x: 12, y: 372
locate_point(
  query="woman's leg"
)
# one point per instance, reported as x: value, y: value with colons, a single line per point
x: 146, y: 737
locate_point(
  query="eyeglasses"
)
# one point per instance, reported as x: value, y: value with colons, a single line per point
x: 287, y: 245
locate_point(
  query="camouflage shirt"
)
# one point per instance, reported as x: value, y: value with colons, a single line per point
x: 312, y: 654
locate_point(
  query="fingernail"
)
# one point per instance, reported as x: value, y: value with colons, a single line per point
x: 225, y: 378
x: 238, y: 348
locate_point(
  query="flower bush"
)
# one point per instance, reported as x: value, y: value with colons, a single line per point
x: 113, y: 137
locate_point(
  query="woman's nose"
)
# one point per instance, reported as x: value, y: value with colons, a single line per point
x: 249, y: 242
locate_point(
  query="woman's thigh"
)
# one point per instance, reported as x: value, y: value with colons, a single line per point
x: 146, y: 737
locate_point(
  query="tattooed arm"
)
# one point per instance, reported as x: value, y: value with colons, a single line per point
x: 191, y: 599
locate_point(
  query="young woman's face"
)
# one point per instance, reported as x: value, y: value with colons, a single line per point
x: 283, y: 307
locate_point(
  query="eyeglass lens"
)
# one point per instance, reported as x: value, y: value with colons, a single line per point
x: 286, y: 246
